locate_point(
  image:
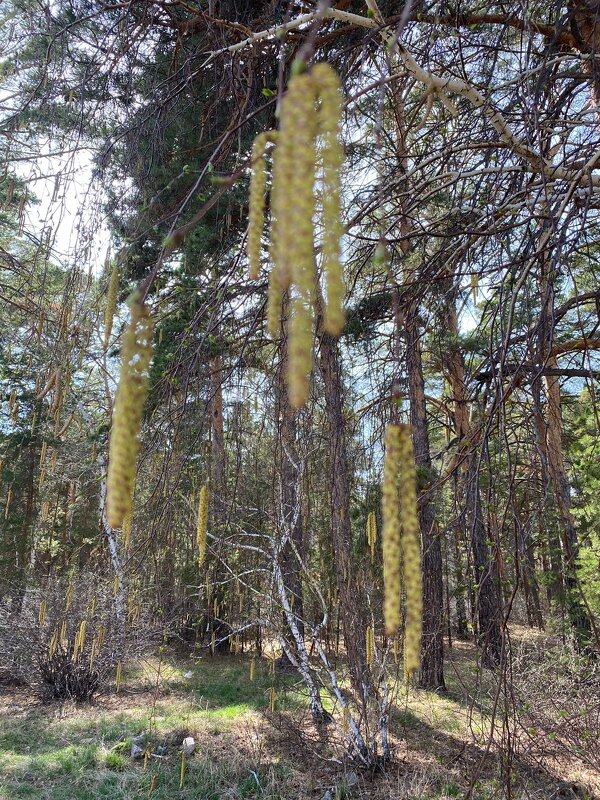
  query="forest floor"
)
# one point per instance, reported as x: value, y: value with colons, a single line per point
x: 58, y: 751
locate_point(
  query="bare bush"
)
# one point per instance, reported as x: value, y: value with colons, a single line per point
x: 63, y: 641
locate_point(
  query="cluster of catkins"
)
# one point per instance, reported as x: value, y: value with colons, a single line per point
x: 401, y: 543
x: 308, y: 138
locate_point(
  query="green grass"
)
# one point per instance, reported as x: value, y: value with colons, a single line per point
x: 81, y: 757
x: 83, y: 752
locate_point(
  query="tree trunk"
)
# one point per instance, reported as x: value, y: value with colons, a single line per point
x: 486, y: 596
x: 488, y: 603
x: 462, y: 629
x: 218, y: 505
x: 556, y: 587
x: 431, y: 674
x: 351, y: 604
x: 289, y: 504
x: 554, y: 453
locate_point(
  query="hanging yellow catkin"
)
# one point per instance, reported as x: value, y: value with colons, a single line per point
x: 391, y: 532
x: 127, y: 414
x: 474, y: 287
x: 42, y: 612
x: 202, y: 524
x: 372, y: 533
x: 292, y: 248
x: 252, y: 669
x: 299, y: 128
x: 43, y: 453
x: 182, y: 771
x: 69, y: 596
x: 81, y: 634
x: 111, y: 302
x: 126, y: 528
x: 256, y: 214
x: 118, y: 676
x: 274, y: 304
x: 411, y: 554
x: 272, y: 699
x: 329, y: 90
x: 53, y: 644
x: 345, y: 721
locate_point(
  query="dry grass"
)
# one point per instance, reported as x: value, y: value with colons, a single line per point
x: 442, y: 744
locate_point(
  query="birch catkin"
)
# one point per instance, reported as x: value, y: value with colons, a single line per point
x: 298, y: 128
x: 391, y: 532
x: 372, y: 534
x: 127, y: 415
x: 332, y: 154
x: 311, y: 107
x: 202, y: 524
x: 411, y: 553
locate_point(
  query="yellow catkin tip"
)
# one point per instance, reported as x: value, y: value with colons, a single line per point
x: 370, y: 647
x: 391, y: 533
x: 127, y: 526
x: 127, y: 415
x: 411, y: 554
x: 111, y: 302
x: 329, y: 91
x: 202, y: 524
x: 274, y: 305
x: 345, y: 721
x: 182, y: 771
x: 372, y: 533
x: 300, y: 352
x: 252, y: 668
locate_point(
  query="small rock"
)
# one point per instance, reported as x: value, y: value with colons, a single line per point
x: 188, y: 745
x: 351, y: 779
x: 188, y: 675
x: 161, y: 749
x: 138, y: 740
x: 327, y: 795
x: 137, y: 751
